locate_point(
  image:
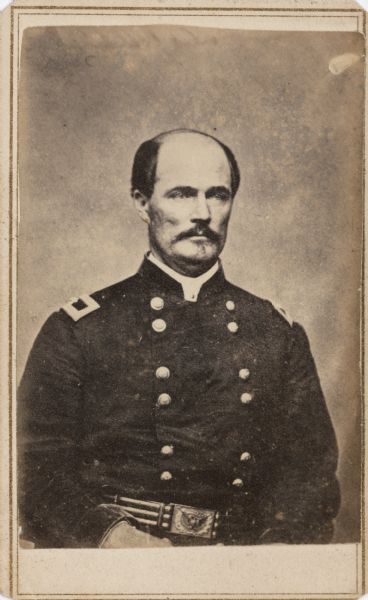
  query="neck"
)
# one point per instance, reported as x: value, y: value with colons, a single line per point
x: 184, y: 268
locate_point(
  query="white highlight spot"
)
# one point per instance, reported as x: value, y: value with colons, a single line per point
x: 340, y: 63
x: 363, y: 4
x: 4, y: 4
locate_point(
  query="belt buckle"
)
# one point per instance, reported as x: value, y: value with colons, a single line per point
x: 199, y: 522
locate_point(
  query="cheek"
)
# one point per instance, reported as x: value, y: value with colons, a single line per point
x: 220, y: 218
x: 162, y: 221
x: 166, y: 216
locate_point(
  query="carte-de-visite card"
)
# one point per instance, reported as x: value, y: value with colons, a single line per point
x: 183, y: 299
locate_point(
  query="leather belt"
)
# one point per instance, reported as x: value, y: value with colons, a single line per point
x: 172, y: 518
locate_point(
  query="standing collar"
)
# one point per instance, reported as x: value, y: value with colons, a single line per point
x: 191, y: 285
x: 161, y: 277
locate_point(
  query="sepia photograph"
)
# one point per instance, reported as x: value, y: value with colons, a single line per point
x: 176, y: 406
x: 189, y: 288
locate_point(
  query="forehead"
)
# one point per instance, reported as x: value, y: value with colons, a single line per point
x: 192, y: 159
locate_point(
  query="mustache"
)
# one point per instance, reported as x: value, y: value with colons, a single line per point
x: 202, y: 230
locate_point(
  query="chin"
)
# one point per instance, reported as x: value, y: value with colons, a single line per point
x: 193, y: 265
x: 197, y: 253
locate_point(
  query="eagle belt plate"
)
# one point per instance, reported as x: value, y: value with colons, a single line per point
x: 187, y: 520
x: 174, y: 518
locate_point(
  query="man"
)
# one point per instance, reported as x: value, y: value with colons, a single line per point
x: 174, y: 408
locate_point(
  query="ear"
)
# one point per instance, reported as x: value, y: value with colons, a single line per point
x: 141, y: 204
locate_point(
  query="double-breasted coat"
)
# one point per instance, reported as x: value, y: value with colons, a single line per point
x: 214, y: 404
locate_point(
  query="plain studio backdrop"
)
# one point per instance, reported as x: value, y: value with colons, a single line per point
x: 90, y: 95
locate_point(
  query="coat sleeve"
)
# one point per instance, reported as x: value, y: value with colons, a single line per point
x: 55, y: 509
x: 303, y: 495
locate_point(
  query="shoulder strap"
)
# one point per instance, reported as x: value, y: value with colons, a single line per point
x: 90, y: 305
x: 283, y: 313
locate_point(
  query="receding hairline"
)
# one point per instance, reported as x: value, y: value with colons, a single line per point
x: 161, y: 137
x: 173, y: 133
x: 147, y: 156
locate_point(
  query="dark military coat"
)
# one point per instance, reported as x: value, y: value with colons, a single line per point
x: 213, y: 404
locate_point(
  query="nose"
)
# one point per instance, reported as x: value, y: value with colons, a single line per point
x: 201, y: 211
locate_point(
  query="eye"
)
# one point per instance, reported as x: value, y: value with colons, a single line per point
x: 221, y: 196
x: 220, y: 193
x: 176, y: 194
x: 181, y: 192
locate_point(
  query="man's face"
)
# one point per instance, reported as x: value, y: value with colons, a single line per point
x: 190, y: 207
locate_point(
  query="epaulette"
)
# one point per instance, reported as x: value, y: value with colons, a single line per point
x: 283, y: 313
x: 77, y: 312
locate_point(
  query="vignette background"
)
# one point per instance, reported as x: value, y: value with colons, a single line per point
x: 90, y: 95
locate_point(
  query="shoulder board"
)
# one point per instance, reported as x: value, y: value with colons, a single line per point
x: 87, y: 305
x: 283, y: 313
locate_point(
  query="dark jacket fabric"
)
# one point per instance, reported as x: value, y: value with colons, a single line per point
x: 247, y: 422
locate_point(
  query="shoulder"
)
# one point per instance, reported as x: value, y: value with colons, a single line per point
x: 100, y: 301
x: 262, y: 309
x: 63, y: 330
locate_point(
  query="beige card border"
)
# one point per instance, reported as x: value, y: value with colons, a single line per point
x: 10, y: 41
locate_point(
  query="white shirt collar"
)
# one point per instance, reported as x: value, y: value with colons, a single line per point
x: 191, y: 285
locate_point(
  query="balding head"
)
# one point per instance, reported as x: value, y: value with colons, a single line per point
x: 183, y: 185
x: 146, y: 157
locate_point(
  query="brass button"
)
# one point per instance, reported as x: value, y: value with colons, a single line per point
x: 244, y: 374
x: 165, y: 476
x: 230, y: 305
x: 167, y: 450
x: 233, y: 327
x: 245, y: 456
x: 159, y: 325
x: 246, y: 397
x: 162, y: 373
x: 238, y: 483
x: 164, y: 400
x: 157, y: 303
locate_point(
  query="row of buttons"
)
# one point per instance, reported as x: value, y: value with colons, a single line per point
x: 244, y: 457
x: 168, y: 450
x: 164, y: 373
x: 165, y: 399
x: 245, y: 397
x: 158, y: 303
x: 159, y: 325
x: 167, y: 476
